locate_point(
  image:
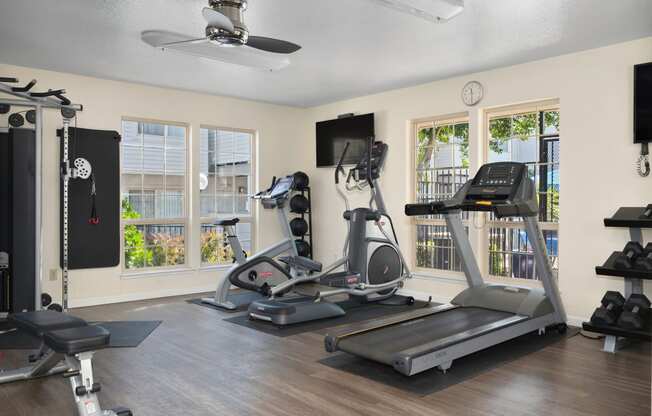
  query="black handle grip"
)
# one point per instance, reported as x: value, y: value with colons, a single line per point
x: 427, y: 208
x: 8, y: 80
x: 48, y: 93
x: 26, y: 87
x: 370, y: 149
x: 339, y: 169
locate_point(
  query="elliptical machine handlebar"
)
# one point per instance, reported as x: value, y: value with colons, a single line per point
x: 340, y: 168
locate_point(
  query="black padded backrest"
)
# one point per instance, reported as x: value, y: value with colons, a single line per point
x: 39, y: 322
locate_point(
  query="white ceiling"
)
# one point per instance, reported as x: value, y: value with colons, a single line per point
x: 350, y: 47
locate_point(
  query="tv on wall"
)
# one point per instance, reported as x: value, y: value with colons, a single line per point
x: 332, y: 136
x: 643, y: 103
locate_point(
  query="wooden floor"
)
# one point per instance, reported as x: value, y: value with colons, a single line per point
x: 197, y: 364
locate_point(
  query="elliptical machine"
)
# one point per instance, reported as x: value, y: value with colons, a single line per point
x: 374, y: 267
x: 258, y: 275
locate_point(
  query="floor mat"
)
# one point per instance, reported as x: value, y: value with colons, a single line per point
x: 241, y: 298
x: 464, y: 368
x: 355, y: 312
x: 128, y: 334
x: 124, y: 334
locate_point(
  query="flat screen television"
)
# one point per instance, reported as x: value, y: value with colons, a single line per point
x: 332, y: 136
x: 643, y: 103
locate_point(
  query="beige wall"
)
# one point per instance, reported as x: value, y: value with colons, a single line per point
x: 595, y: 93
x: 597, y: 157
x: 105, y: 104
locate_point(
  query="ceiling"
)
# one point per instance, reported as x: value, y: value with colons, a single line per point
x: 350, y: 47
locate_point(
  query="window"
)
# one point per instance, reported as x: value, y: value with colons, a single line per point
x: 153, y: 188
x: 226, y: 180
x: 529, y: 136
x: 442, y: 167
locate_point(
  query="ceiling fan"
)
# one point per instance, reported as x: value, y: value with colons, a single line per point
x: 227, y: 39
x: 435, y: 11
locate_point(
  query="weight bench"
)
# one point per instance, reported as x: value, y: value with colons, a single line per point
x: 67, y: 346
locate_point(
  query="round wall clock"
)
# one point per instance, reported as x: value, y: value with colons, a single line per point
x: 472, y: 93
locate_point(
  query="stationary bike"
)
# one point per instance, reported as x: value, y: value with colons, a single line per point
x: 246, y: 271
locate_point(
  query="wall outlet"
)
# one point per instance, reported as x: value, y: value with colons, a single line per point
x: 54, y: 274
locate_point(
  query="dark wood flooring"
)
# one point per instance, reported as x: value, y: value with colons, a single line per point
x: 197, y: 364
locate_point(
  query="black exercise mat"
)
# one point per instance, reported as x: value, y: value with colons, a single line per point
x: 238, y: 297
x: 128, y: 334
x: 464, y: 368
x: 13, y: 339
x: 124, y: 334
x: 355, y: 312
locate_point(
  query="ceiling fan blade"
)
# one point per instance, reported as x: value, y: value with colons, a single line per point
x: 241, y: 55
x: 217, y: 19
x: 272, y: 45
x: 164, y: 39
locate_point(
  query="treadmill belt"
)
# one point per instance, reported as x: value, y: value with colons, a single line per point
x: 381, y: 344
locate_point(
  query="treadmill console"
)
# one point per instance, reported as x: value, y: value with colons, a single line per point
x: 496, y: 181
x: 502, y: 188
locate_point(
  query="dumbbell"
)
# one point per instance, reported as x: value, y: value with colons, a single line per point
x: 608, y: 313
x: 627, y: 258
x: 644, y: 261
x: 636, y: 312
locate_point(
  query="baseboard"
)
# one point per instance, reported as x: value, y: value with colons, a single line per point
x: 132, y: 297
x: 570, y: 320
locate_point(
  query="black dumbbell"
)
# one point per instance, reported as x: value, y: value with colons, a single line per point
x: 627, y: 258
x: 644, y: 261
x: 636, y: 312
x: 608, y: 313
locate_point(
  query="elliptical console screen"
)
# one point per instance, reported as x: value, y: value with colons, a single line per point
x: 282, y: 186
x: 496, y: 181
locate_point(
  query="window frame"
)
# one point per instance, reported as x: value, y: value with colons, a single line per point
x: 510, y: 111
x: 185, y: 220
x: 417, y: 125
x: 250, y: 219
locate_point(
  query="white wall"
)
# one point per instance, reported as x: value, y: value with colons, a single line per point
x: 595, y: 91
x: 597, y: 157
x: 105, y: 103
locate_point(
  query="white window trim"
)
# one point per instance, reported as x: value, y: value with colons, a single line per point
x: 497, y: 112
x: 417, y: 125
x: 252, y: 217
x: 159, y: 270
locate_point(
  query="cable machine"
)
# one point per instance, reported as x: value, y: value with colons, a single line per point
x: 37, y: 102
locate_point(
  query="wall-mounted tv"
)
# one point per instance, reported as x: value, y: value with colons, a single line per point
x: 332, y: 136
x: 643, y: 103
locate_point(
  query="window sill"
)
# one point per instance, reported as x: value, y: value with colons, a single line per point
x: 210, y: 267
x: 156, y: 273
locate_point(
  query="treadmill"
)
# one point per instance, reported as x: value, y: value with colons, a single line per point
x: 484, y: 314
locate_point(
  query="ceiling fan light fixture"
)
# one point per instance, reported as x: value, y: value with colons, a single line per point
x: 436, y: 11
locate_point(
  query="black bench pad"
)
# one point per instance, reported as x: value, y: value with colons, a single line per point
x: 40, y: 322
x: 75, y: 340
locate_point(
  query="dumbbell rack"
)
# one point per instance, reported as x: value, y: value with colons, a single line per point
x: 616, y: 337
